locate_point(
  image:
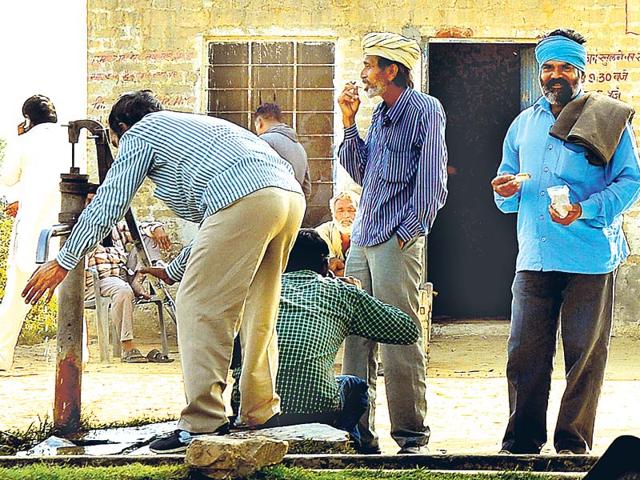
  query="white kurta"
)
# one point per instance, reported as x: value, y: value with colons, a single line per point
x: 31, y: 175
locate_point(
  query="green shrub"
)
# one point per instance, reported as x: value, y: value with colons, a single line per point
x: 41, y: 323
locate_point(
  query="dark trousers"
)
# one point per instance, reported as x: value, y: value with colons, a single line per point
x: 354, y: 401
x: 582, y: 305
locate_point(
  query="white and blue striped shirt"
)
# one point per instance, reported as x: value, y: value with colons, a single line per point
x: 402, y: 167
x: 199, y: 164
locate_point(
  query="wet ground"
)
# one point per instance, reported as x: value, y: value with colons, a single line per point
x: 467, y: 390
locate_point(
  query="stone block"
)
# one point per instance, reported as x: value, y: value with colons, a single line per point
x: 306, y: 438
x: 225, y: 457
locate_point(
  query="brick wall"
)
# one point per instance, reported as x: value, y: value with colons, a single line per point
x: 160, y: 44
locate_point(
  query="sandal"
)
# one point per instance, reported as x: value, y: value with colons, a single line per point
x: 133, y: 356
x: 156, y: 356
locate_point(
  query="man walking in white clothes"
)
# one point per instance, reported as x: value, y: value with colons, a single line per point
x: 30, y: 174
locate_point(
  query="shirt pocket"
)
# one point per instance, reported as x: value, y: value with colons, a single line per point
x: 574, y: 168
x: 398, y: 166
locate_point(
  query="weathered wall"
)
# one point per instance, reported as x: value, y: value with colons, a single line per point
x: 159, y: 44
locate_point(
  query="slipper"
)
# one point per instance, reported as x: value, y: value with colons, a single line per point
x: 156, y: 356
x: 133, y: 356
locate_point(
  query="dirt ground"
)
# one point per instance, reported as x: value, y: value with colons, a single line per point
x: 467, y: 390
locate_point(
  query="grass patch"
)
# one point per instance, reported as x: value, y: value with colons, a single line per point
x: 14, y: 440
x: 128, y: 472
x: 179, y: 472
x: 283, y: 473
x: 90, y: 422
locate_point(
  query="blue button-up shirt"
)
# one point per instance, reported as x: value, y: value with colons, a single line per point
x: 199, y: 165
x: 402, y: 167
x: 593, y: 244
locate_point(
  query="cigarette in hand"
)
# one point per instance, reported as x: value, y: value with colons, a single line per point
x: 522, y: 177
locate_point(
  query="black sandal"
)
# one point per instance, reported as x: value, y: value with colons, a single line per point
x: 156, y: 356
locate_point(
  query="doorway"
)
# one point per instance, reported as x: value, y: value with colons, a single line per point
x: 473, y: 246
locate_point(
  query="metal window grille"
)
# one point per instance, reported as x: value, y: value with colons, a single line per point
x: 299, y: 77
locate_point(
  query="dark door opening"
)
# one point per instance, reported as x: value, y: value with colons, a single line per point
x: 472, y: 247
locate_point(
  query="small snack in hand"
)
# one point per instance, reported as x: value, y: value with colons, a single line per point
x: 522, y: 177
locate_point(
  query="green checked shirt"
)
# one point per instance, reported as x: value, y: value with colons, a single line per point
x: 316, y: 314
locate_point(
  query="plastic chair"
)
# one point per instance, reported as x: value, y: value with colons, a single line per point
x: 106, y: 329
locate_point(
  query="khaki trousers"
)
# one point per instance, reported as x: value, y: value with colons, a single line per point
x: 122, y: 301
x: 231, y: 283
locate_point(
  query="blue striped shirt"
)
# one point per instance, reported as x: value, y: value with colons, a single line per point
x: 402, y: 167
x: 199, y: 165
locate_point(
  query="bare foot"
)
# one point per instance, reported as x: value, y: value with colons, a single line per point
x: 138, y: 288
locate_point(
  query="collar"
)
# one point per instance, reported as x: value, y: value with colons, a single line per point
x: 302, y: 273
x: 394, y: 113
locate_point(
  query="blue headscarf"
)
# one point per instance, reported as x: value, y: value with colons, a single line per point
x: 561, y: 49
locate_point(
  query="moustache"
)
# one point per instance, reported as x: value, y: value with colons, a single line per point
x: 557, y: 81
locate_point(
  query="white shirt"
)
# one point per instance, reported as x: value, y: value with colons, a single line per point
x: 30, y: 173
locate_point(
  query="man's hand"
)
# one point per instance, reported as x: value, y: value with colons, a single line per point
x: 161, y: 238
x: 12, y: 209
x: 505, y: 185
x: 336, y: 266
x: 137, y: 286
x: 349, y: 103
x: 401, y: 242
x: 351, y: 280
x: 575, y: 212
x: 46, y: 277
x: 158, y: 272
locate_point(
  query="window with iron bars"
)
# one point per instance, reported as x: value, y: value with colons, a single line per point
x: 298, y: 76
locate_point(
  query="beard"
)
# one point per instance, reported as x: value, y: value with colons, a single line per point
x: 374, y: 90
x: 560, y: 96
x: 344, y: 229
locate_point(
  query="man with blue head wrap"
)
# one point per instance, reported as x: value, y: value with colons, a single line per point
x: 562, y: 63
x: 568, y: 251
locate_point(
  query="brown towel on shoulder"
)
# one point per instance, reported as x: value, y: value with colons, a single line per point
x: 594, y: 121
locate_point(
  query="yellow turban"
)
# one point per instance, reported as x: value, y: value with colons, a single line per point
x: 393, y: 47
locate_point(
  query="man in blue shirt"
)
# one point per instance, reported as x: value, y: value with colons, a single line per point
x: 401, y: 165
x: 568, y: 254
x: 218, y: 175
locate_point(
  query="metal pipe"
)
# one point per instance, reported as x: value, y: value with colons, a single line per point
x: 67, y: 403
x: 42, y: 252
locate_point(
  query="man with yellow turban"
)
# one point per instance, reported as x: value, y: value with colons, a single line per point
x: 402, y: 167
x: 569, y: 250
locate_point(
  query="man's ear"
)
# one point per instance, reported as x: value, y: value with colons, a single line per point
x: 391, y: 72
x: 123, y: 127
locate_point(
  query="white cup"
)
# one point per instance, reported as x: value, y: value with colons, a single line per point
x: 560, y: 202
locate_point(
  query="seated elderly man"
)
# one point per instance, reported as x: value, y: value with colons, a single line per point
x: 110, y: 263
x: 337, y: 232
x: 316, y: 314
x: 116, y: 266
